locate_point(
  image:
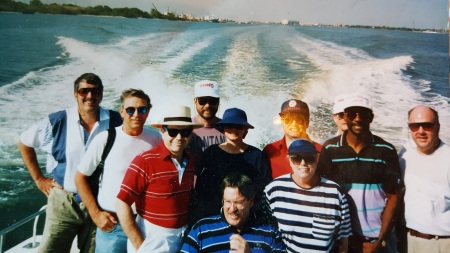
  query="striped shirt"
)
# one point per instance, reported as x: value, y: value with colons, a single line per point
x: 213, y: 235
x: 153, y: 182
x: 310, y: 220
x: 365, y: 176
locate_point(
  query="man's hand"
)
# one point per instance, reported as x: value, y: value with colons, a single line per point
x: 45, y: 184
x: 104, y: 220
x: 239, y: 244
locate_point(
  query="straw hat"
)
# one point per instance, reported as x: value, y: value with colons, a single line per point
x: 177, y: 116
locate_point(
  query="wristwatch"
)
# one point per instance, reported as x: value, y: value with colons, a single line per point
x: 383, y: 243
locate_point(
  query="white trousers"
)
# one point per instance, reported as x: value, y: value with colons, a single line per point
x: 157, y: 238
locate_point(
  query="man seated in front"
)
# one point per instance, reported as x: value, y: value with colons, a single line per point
x: 237, y: 228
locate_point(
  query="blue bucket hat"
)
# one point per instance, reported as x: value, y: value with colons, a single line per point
x: 234, y: 116
x: 302, y: 146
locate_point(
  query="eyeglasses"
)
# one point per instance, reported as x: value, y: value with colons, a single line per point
x: 94, y: 91
x: 234, y: 126
x: 237, y: 204
x: 426, y: 126
x: 308, y: 158
x: 364, y: 114
x: 289, y: 119
x: 141, y: 110
x: 210, y: 100
x: 185, y: 132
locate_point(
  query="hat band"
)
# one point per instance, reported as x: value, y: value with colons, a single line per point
x: 187, y: 119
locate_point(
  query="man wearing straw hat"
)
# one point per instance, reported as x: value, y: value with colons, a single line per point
x: 159, y: 181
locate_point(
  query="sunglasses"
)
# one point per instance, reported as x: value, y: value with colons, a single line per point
x: 185, y: 132
x: 363, y: 114
x: 234, y: 126
x: 94, y: 91
x: 426, y: 126
x: 297, y: 159
x: 208, y: 100
x: 141, y: 110
x: 340, y: 115
x: 289, y: 119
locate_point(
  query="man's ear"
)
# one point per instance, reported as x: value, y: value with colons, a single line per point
x: 252, y: 202
x: 371, y: 117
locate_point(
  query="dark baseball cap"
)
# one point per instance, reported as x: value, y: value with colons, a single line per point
x: 294, y: 105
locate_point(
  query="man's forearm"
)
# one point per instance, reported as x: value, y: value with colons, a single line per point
x: 389, y: 213
x: 30, y: 160
x: 127, y: 220
x: 85, y: 192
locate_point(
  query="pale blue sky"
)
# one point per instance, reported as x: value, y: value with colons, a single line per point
x: 394, y: 13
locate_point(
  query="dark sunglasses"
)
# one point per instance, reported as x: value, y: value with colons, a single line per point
x: 363, y: 114
x: 94, y: 91
x: 185, y: 132
x: 141, y: 110
x: 297, y: 159
x: 426, y: 126
x: 234, y: 126
x: 208, y: 100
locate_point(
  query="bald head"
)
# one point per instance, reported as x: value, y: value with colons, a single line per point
x: 425, y: 110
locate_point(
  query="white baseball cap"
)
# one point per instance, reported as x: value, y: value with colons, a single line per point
x: 339, y: 103
x: 358, y: 99
x: 206, y: 88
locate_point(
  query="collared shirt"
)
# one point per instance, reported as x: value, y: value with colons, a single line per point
x: 152, y: 183
x: 366, y: 177
x: 310, y: 220
x: 427, y: 184
x: 277, y: 154
x: 213, y: 234
x: 65, y: 151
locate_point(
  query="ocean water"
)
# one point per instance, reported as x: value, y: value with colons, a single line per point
x: 258, y: 67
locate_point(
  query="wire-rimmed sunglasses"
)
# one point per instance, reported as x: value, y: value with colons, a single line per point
x: 141, y: 110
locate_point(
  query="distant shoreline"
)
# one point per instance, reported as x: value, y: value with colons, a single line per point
x: 36, y: 6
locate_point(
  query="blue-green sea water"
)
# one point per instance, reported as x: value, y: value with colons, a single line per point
x: 258, y: 67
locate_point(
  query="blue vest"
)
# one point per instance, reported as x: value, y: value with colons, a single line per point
x: 58, y: 120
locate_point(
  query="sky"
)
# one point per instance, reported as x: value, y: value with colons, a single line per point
x: 420, y: 14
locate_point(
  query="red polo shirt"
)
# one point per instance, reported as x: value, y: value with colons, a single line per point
x: 277, y: 154
x: 152, y: 182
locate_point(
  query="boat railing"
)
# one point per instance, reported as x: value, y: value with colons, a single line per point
x: 14, y: 226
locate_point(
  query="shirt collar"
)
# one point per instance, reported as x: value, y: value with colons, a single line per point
x: 343, y: 140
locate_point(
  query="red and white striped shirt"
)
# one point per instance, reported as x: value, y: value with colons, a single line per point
x: 152, y: 182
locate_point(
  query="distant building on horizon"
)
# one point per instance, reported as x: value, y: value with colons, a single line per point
x: 289, y: 22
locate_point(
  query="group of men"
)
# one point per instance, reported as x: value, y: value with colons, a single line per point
x: 143, y: 199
